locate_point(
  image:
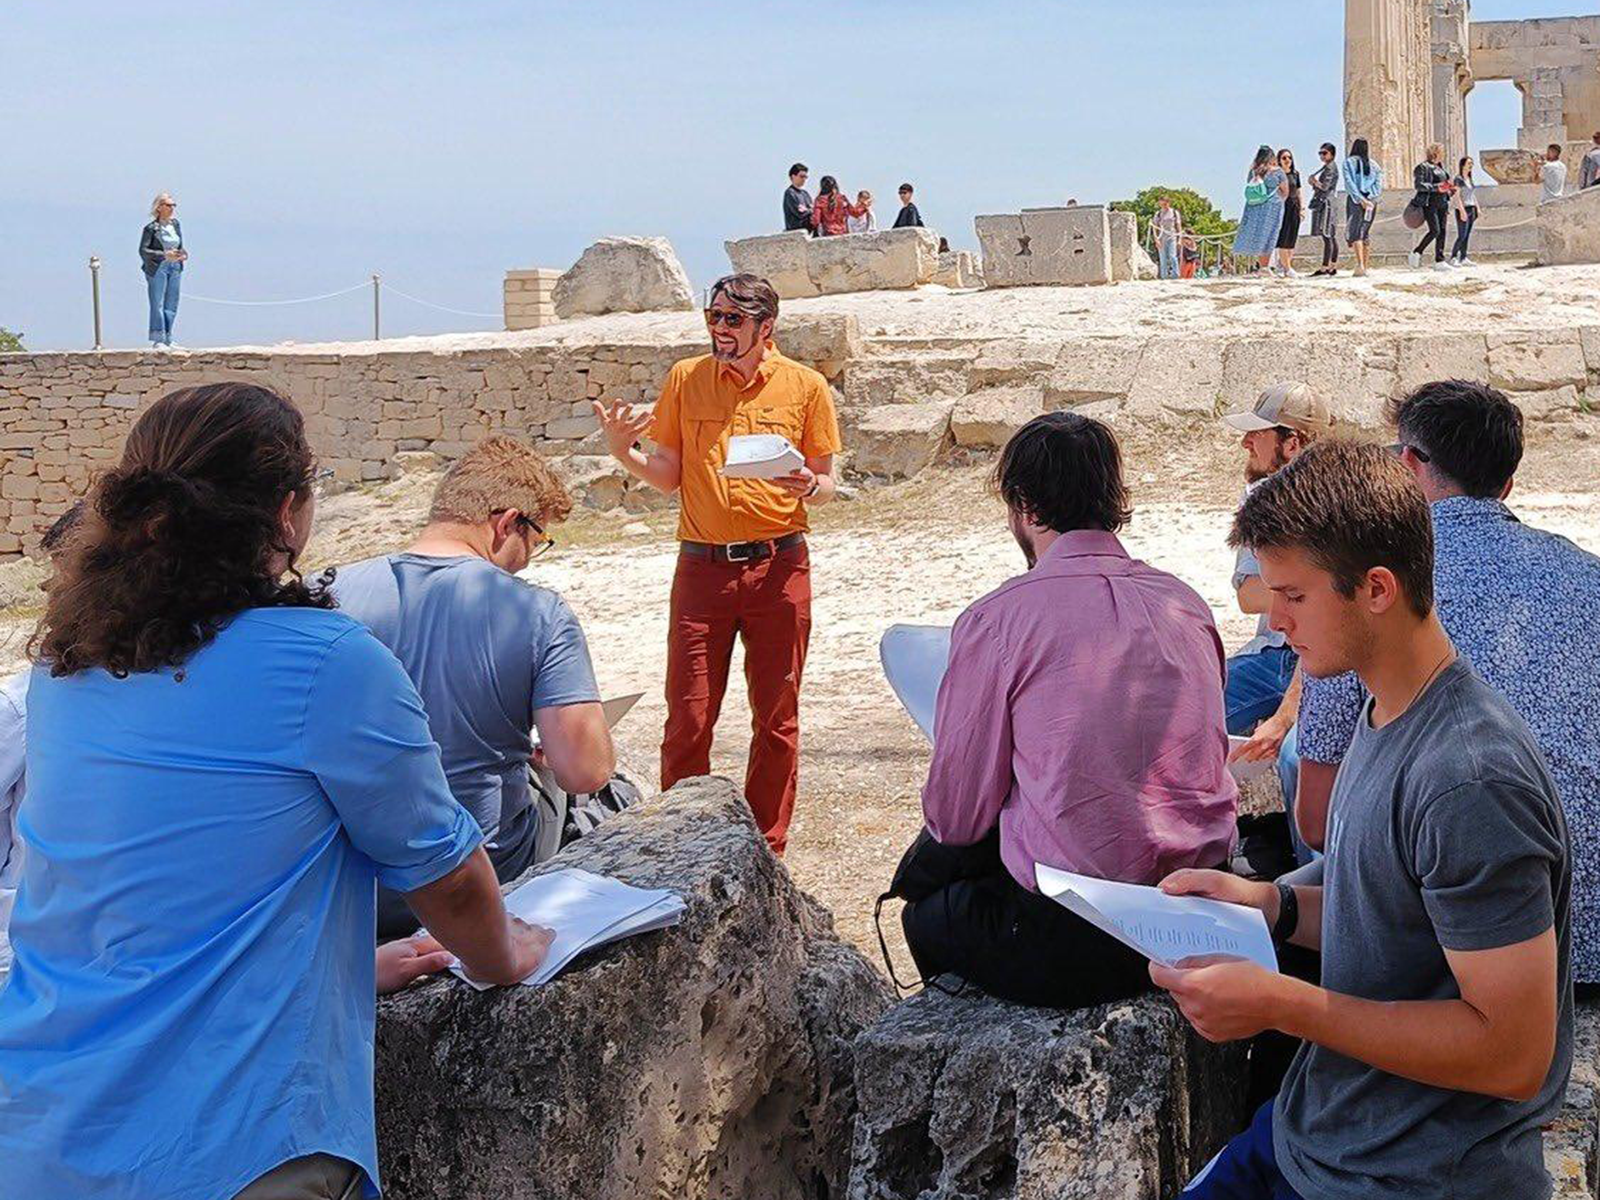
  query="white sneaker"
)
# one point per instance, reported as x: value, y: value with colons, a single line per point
x: 1464, y: 261
x: 1291, y: 273
x: 1414, y: 259
x: 1359, y: 271
x: 159, y: 347
x: 1441, y: 265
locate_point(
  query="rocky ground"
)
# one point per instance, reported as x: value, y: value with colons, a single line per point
x: 917, y: 552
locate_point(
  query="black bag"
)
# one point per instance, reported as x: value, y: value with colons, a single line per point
x: 1413, y: 215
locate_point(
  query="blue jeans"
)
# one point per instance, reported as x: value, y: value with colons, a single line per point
x: 1289, y: 780
x: 163, y: 287
x: 1256, y: 684
x: 1245, y: 1169
x: 1169, y: 258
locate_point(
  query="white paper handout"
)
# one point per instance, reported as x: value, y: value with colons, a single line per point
x: 1166, y: 929
x: 585, y: 910
x: 1244, y: 772
x: 914, y: 659
x: 761, y: 456
x: 614, y: 710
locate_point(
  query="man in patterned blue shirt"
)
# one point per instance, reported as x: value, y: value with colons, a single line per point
x: 1522, y: 604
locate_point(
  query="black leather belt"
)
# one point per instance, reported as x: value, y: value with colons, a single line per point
x: 742, y: 551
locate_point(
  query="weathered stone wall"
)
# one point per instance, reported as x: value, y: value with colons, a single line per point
x: 1555, y: 63
x: 1388, y: 83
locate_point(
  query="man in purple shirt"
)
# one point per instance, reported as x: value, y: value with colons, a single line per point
x: 1080, y: 724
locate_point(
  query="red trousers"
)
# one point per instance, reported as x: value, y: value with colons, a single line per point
x: 768, y: 605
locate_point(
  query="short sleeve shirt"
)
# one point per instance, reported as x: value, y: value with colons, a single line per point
x: 702, y: 405
x: 192, y: 999
x: 486, y: 650
x: 1445, y: 833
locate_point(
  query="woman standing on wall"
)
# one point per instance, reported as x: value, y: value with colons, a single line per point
x: 1432, y: 182
x: 162, y: 255
x: 1289, y: 234
x: 1324, y: 183
x: 1363, y: 184
x: 1265, y: 191
x: 1465, y: 201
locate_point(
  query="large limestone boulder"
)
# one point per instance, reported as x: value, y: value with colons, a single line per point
x: 897, y: 441
x: 1511, y: 166
x: 989, y: 417
x: 822, y: 340
x: 1569, y: 229
x: 797, y: 265
x: 708, y: 1060
x: 1125, y: 250
x: 624, y: 274
x: 967, y: 1096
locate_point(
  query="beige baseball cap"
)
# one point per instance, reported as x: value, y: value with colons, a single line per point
x: 1292, y: 405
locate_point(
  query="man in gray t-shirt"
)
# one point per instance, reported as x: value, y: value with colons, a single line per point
x: 1440, y: 1039
x: 492, y: 656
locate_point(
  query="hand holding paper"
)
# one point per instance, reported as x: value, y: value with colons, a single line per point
x: 761, y: 456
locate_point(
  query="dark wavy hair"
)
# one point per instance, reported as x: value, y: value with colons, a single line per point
x: 182, y: 534
x: 1063, y: 471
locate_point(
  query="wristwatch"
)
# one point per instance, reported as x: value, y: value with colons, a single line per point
x: 1288, y: 914
x: 816, y: 486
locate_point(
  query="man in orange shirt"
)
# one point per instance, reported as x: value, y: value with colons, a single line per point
x: 743, y: 567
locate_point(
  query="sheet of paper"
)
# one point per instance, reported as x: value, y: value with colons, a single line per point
x: 586, y: 910
x: 1167, y: 929
x: 1244, y: 772
x: 614, y: 710
x: 761, y: 456
x: 914, y: 659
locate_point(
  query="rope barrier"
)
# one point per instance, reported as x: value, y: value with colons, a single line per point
x: 460, y: 312
x: 268, y: 303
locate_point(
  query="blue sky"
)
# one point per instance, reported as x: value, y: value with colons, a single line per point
x: 310, y: 145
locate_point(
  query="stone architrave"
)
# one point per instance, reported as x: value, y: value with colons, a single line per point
x: 624, y: 274
x: 1070, y: 245
x: 1569, y: 229
x: 798, y: 265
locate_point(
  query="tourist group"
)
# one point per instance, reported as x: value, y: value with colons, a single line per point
x: 235, y: 775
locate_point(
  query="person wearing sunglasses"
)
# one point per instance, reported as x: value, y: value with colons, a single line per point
x: 492, y: 656
x: 743, y: 567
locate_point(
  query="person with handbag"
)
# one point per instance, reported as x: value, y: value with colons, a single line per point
x: 1363, y: 185
x: 1266, y: 190
x: 1432, y: 201
x: 1324, y: 182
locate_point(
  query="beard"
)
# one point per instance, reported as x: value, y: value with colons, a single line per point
x: 1255, y: 474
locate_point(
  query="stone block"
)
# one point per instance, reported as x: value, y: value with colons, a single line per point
x: 1589, y: 336
x: 1177, y: 379
x: 1569, y: 229
x: 1511, y: 166
x: 1012, y: 360
x: 571, y: 428
x: 624, y: 274
x: 1046, y: 246
x: 958, y: 269
x: 814, y: 338
x: 1433, y: 356
x: 712, y: 1059
x: 989, y: 417
x: 1527, y: 362
x: 797, y: 265
x: 914, y: 379
x: 897, y: 441
x: 1091, y: 369
x: 1124, y: 245
x: 966, y: 1096
x: 1551, y: 404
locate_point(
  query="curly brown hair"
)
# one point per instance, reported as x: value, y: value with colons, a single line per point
x: 182, y: 534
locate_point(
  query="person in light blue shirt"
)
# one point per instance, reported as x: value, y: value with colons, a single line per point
x: 1522, y: 603
x: 1363, y: 185
x: 219, y: 768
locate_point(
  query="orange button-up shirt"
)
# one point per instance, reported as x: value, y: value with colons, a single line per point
x: 702, y: 405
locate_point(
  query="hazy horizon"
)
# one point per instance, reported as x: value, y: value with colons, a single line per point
x: 309, y: 147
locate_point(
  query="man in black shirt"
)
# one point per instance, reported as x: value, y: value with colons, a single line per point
x: 797, y: 201
x: 909, y: 216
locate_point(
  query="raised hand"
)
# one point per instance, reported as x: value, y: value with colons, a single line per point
x: 622, y: 424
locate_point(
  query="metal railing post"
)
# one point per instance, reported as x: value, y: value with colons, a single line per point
x: 94, y: 285
x: 376, y: 334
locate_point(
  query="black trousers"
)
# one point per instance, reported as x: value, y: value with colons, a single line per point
x: 1437, y: 215
x: 967, y: 916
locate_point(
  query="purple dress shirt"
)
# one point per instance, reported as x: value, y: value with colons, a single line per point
x: 1082, y: 711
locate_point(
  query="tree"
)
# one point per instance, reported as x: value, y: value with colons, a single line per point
x: 9, y: 341
x: 1200, y: 216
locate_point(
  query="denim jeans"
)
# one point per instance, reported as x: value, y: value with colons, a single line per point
x: 1289, y: 780
x: 163, y: 287
x: 1256, y: 684
x: 1464, y: 232
x: 1169, y: 258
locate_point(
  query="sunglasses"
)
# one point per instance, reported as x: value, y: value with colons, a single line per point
x: 1399, y: 448
x: 533, y: 526
x: 724, y: 316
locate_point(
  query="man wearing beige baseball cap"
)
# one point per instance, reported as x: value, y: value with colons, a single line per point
x: 1284, y: 420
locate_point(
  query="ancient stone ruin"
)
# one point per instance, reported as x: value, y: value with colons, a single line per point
x: 797, y: 264
x: 624, y: 274
x: 1075, y: 244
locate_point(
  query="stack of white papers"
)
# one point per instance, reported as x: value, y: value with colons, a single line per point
x: 761, y: 456
x: 1244, y: 772
x: 914, y: 659
x: 1166, y: 929
x: 586, y: 911
x: 613, y: 710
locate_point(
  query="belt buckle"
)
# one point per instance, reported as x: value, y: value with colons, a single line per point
x: 742, y: 551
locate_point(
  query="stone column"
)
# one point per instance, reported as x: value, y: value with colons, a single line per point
x: 1388, y: 92
x: 1452, y: 77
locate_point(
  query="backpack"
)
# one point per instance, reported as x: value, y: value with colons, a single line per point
x: 1255, y: 192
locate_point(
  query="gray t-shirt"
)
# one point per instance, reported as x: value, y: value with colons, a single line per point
x: 1445, y: 833
x: 485, y: 649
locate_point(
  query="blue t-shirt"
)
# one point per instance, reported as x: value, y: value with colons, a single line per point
x: 485, y: 650
x: 192, y: 998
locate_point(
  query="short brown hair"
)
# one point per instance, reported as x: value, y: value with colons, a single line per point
x: 750, y: 294
x: 1349, y: 506
x: 500, y: 473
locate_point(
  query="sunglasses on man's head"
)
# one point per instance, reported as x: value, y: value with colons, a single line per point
x: 732, y: 318
x: 1399, y: 448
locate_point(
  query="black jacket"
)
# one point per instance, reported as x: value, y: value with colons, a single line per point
x: 1427, y: 177
x: 796, y: 209
x: 151, y: 252
x: 909, y: 216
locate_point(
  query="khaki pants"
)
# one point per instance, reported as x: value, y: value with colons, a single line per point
x: 313, y: 1177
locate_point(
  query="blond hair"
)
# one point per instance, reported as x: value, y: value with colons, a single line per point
x: 500, y: 473
x: 155, y: 205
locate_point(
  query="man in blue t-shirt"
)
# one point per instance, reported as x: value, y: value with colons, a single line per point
x: 492, y: 656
